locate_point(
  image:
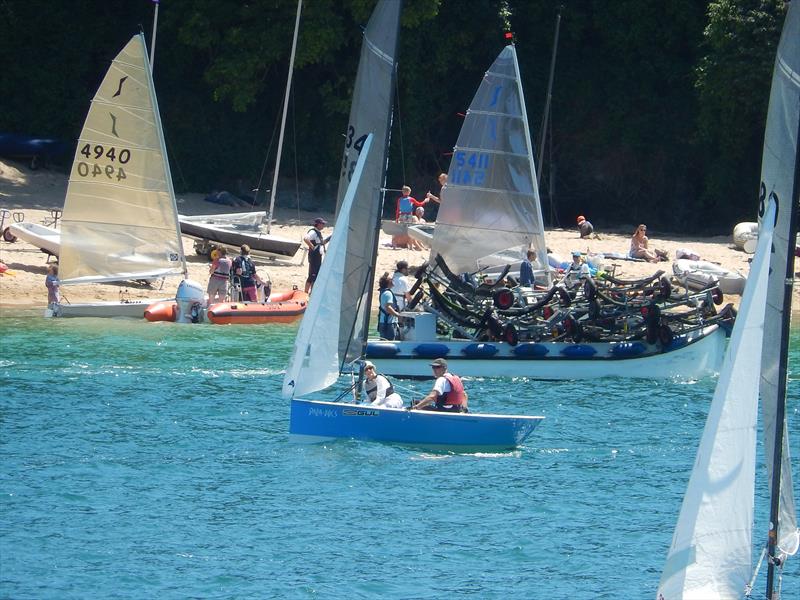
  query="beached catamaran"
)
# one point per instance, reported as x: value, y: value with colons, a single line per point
x: 332, y: 335
x: 120, y: 221
x: 711, y: 551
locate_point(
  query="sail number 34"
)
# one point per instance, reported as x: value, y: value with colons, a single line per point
x: 100, y: 152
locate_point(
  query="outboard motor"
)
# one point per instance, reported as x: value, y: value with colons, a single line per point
x: 191, y: 299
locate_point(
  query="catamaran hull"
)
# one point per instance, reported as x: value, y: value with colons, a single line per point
x: 314, y: 421
x: 694, y: 355
x: 258, y: 242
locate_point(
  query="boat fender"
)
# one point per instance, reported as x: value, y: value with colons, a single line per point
x: 431, y: 350
x: 382, y: 349
x: 676, y: 343
x: 479, y: 350
x: 510, y: 335
x: 503, y: 298
x: 579, y: 351
x: 626, y: 349
x: 665, y: 335
x: 8, y: 236
x: 717, y: 296
x: 531, y: 350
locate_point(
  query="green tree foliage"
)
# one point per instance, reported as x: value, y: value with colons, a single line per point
x: 657, y: 113
x: 733, y: 78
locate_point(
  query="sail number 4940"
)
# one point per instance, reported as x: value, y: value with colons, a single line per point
x: 100, y: 152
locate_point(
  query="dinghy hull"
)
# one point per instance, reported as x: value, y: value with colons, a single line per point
x: 316, y: 421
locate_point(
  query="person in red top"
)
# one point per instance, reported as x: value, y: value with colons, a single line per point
x: 448, y: 393
x: 406, y: 205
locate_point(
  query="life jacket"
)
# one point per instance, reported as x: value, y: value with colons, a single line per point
x: 384, y: 316
x: 317, y: 239
x: 246, y: 264
x: 223, y: 269
x: 456, y: 396
x: 371, y: 388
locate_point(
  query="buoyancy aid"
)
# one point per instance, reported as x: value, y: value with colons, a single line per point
x: 223, y: 269
x: 371, y: 388
x: 456, y: 395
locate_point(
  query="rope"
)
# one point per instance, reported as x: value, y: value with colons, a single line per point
x: 400, y: 121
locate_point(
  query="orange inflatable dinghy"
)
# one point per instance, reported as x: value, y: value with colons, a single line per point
x: 283, y: 307
x: 165, y: 310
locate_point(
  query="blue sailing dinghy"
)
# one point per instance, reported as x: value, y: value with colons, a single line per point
x: 334, y: 329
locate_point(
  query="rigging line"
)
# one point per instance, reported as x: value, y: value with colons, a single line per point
x: 296, y: 173
x: 264, y: 166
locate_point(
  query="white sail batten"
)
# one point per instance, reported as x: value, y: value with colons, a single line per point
x: 777, y: 181
x: 710, y: 554
x: 120, y: 220
x: 490, y: 212
x: 314, y: 364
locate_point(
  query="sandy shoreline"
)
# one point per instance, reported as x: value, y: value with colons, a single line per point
x: 31, y: 195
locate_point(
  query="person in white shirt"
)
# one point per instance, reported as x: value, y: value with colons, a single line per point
x: 576, y: 271
x: 400, y: 285
x: 378, y: 389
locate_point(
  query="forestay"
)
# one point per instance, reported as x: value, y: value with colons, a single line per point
x: 490, y: 212
x: 314, y: 364
x: 778, y: 172
x: 710, y: 555
x: 120, y: 221
x: 370, y: 113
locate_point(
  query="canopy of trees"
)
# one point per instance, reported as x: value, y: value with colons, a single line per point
x: 658, y: 108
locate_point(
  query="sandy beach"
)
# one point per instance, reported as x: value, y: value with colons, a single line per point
x: 31, y: 195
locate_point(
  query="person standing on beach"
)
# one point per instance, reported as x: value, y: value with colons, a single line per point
x: 220, y: 270
x: 406, y: 204
x: 245, y: 269
x: 52, y: 284
x: 316, y: 250
x: 442, y: 179
x: 526, y: 277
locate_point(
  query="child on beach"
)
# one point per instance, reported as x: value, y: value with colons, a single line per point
x: 52, y: 284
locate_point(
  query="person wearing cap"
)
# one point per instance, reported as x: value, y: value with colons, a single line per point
x: 400, y: 286
x: 244, y: 270
x: 378, y: 389
x: 585, y: 227
x: 316, y: 250
x: 448, y: 394
x: 576, y: 270
x: 526, y: 278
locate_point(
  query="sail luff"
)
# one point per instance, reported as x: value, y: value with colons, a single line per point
x: 779, y: 182
x: 314, y: 363
x: 710, y: 553
x: 370, y: 113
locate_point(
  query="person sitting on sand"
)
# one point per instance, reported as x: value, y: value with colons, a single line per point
x: 585, y: 227
x: 639, y: 247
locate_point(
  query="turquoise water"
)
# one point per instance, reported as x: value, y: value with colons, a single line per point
x: 148, y: 460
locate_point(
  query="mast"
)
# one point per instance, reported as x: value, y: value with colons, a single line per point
x: 780, y: 415
x: 153, y: 40
x: 283, y: 117
x: 381, y: 194
x: 546, y: 115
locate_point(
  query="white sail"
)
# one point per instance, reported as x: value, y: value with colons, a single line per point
x: 120, y: 220
x: 314, y: 364
x: 777, y: 181
x: 490, y: 212
x: 710, y: 555
x: 370, y: 112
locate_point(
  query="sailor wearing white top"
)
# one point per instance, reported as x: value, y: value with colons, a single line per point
x: 400, y: 285
x: 378, y: 389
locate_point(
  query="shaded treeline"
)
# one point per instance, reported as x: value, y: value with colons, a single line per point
x: 658, y: 107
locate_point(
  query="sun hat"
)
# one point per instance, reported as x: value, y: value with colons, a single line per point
x: 576, y: 253
x: 439, y: 362
x: 581, y: 218
x: 368, y: 365
x: 319, y: 220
